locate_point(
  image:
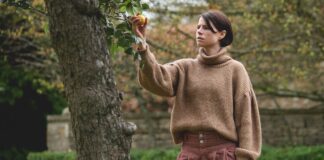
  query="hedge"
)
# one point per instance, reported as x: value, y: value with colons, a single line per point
x: 268, y: 153
x: 13, y: 154
x: 52, y: 156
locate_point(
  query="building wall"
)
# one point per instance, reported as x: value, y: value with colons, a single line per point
x: 279, y: 128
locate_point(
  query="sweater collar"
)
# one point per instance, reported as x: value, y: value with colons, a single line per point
x: 215, y: 59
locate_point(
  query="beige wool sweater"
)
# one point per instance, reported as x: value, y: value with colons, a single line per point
x: 211, y: 93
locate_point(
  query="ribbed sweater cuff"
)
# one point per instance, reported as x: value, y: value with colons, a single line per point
x: 243, y: 154
x: 146, y: 56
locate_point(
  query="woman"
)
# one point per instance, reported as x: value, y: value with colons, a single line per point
x: 215, y: 113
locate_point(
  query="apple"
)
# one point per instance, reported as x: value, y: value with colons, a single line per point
x: 142, y: 19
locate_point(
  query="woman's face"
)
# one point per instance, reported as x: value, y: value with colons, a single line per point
x: 204, y: 35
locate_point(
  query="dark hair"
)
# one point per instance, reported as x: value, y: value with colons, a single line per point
x: 221, y: 22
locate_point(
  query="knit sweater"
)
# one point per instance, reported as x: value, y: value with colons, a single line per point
x: 211, y: 93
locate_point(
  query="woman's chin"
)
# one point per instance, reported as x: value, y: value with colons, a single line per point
x: 199, y: 44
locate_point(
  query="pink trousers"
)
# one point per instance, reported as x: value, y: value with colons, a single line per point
x: 206, y: 146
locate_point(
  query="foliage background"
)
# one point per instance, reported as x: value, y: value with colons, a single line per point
x: 280, y: 42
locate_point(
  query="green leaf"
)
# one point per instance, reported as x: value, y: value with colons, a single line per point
x: 109, y: 41
x: 118, y: 33
x: 128, y: 1
x: 123, y: 42
x: 130, y: 9
x: 129, y: 51
x: 122, y: 26
x: 110, y: 30
x: 145, y: 6
x: 123, y: 9
x: 22, y: 4
x: 113, y: 49
x: 137, y: 10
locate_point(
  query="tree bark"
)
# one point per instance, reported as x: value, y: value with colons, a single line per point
x: 94, y: 102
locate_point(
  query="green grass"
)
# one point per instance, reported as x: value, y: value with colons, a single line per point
x: 268, y: 153
x: 293, y: 153
x: 52, y: 156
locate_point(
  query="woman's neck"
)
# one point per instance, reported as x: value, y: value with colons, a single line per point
x: 212, y: 50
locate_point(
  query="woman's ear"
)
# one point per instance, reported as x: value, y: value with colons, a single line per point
x: 222, y: 34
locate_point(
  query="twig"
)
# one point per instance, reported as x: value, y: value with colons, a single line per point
x: 37, y: 10
x: 160, y: 47
x: 293, y: 93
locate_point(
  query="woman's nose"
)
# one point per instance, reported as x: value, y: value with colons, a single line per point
x: 199, y: 31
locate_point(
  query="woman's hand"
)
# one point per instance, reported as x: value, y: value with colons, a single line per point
x: 139, y: 27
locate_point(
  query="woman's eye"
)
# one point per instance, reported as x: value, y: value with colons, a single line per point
x: 203, y: 27
x: 206, y: 28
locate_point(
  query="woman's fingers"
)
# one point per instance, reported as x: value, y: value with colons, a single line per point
x: 137, y: 26
x: 139, y: 33
x: 145, y: 23
x: 131, y: 18
x: 135, y: 20
x: 137, y: 30
x: 138, y: 21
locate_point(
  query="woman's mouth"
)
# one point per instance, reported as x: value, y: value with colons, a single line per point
x: 200, y: 38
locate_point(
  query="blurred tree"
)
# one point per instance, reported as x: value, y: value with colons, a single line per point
x: 280, y: 42
x: 25, y: 48
x: 29, y: 86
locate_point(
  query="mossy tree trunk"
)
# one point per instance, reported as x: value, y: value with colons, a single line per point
x: 94, y: 102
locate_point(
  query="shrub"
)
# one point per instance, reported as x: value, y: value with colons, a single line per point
x: 156, y: 154
x: 268, y: 153
x: 52, y: 156
x: 13, y: 154
x: 293, y: 153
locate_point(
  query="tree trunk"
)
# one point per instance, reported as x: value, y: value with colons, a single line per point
x: 94, y: 102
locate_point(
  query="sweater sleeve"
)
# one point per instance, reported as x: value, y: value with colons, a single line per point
x: 156, y: 78
x: 247, y: 121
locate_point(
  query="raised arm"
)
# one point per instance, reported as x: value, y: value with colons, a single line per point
x: 159, y: 79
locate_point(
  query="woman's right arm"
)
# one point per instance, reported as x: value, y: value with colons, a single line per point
x: 159, y: 79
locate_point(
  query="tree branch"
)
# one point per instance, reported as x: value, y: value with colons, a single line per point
x: 37, y: 10
x: 242, y: 52
x: 293, y: 93
x: 195, y: 12
x: 163, y: 48
x: 185, y: 33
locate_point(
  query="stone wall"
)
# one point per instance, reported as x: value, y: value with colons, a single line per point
x: 59, y: 133
x: 293, y: 127
x: 279, y: 128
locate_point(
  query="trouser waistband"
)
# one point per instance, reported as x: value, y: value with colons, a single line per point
x: 205, y: 139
